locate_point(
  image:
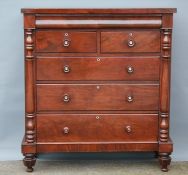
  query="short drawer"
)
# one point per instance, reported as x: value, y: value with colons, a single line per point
x: 97, y: 128
x: 65, y: 41
x: 97, y: 97
x: 130, y: 41
x: 130, y: 68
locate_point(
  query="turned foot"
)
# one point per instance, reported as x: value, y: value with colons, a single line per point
x: 164, y: 160
x: 29, y: 161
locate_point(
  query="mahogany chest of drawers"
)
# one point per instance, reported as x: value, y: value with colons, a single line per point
x: 97, y: 80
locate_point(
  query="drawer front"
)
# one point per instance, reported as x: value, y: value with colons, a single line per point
x: 138, y: 68
x: 97, y: 97
x: 130, y: 41
x: 63, y: 41
x: 97, y: 128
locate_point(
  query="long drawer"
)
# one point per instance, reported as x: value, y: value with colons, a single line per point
x: 97, y: 128
x: 118, y: 68
x: 97, y: 97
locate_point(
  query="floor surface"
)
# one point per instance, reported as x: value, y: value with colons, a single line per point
x: 93, y: 167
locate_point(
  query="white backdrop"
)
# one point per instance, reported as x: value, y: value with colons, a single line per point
x: 12, y: 68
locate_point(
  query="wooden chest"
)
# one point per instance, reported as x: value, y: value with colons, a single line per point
x: 97, y: 80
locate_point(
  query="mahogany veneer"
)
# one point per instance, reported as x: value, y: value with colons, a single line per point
x: 145, y: 41
x: 97, y: 80
x: 108, y: 68
x: 97, y: 97
x: 51, y: 41
x: 97, y: 128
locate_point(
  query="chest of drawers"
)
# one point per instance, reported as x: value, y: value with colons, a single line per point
x: 97, y: 80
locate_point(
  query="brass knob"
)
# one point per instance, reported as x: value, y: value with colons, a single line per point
x: 66, y: 130
x: 130, y: 69
x: 66, y: 43
x: 129, y: 98
x: 131, y: 43
x: 66, y: 69
x: 66, y: 98
x: 128, y: 129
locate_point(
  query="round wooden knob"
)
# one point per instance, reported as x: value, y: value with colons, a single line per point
x: 66, y: 130
x: 66, y: 98
x: 129, y: 98
x: 128, y: 129
x: 66, y: 43
x: 131, y: 43
x: 66, y: 69
x: 130, y: 69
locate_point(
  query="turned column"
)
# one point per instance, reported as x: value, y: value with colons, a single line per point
x: 164, y: 152
x: 30, y: 119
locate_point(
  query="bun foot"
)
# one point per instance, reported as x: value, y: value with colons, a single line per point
x: 29, y: 161
x: 164, y: 160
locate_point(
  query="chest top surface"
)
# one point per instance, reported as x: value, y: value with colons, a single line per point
x: 102, y: 11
